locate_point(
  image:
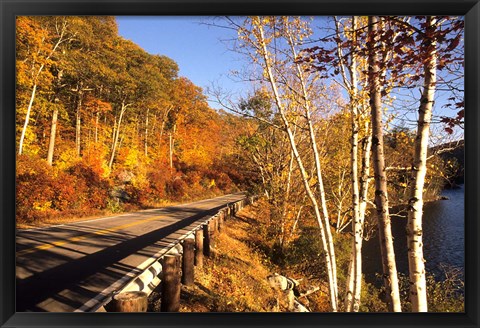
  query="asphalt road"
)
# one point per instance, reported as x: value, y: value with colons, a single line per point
x: 65, y: 267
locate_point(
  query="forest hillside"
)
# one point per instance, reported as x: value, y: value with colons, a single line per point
x: 103, y: 126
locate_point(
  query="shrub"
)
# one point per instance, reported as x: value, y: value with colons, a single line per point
x: 70, y: 193
x: 157, y: 177
x: 222, y: 180
x: 34, y: 192
x: 176, y: 188
x: 446, y: 295
x: 95, y: 188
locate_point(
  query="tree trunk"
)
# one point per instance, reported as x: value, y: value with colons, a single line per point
x: 354, y: 277
x: 305, y: 178
x: 27, y: 119
x: 164, y: 118
x: 78, y: 122
x: 170, y: 151
x: 116, y: 134
x: 416, y: 262
x: 97, y: 118
x: 350, y: 282
x: 365, y: 172
x: 318, y: 167
x: 146, y: 133
x: 53, y: 131
x: 381, y: 195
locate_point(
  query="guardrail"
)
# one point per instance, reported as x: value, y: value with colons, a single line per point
x: 173, y: 266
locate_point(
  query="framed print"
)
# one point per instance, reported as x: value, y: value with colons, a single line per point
x: 211, y: 163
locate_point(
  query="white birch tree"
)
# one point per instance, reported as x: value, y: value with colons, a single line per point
x: 390, y: 275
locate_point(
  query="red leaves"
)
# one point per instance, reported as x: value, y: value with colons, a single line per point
x: 453, y: 43
x: 44, y: 191
x: 451, y: 122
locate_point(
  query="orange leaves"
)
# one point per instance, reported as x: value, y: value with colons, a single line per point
x: 95, y: 105
x: 94, y: 158
x: 44, y: 191
x: 33, y: 188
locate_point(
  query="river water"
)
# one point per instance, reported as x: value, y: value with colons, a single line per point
x: 443, y: 238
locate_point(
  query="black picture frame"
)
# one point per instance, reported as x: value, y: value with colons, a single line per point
x: 10, y: 8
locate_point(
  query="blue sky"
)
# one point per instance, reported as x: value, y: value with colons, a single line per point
x: 201, y: 55
x: 196, y: 48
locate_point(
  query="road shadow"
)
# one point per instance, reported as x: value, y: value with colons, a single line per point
x: 64, y: 283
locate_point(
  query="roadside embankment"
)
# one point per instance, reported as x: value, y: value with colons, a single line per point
x: 233, y: 279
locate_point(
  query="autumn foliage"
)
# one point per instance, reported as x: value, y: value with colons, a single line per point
x: 104, y: 126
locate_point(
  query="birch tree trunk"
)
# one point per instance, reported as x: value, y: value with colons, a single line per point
x: 390, y: 276
x: 354, y: 276
x: 164, y: 118
x: 357, y: 228
x: 416, y: 262
x: 53, y: 132
x: 268, y: 67
x: 78, y: 122
x: 117, y: 133
x: 27, y: 119
x: 146, y: 133
x: 318, y: 167
x: 365, y: 172
x: 170, y: 150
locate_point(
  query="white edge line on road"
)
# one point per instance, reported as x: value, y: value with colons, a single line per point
x: 99, y: 300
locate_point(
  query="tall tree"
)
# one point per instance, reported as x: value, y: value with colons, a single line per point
x: 41, y: 38
x: 55, y: 104
x: 416, y: 262
x: 253, y: 32
x: 390, y: 275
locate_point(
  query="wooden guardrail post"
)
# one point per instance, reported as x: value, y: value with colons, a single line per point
x: 212, y: 231
x: 199, y: 248
x: 220, y: 221
x: 206, y: 239
x: 216, y: 225
x: 170, y: 299
x: 133, y: 301
x: 187, y: 261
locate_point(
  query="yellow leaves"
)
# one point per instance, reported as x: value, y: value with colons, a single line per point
x: 269, y: 167
x: 130, y: 157
x: 67, y: 159
x: 42, y: 206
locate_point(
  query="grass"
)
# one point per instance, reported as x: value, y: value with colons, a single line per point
x: 234, y: 279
